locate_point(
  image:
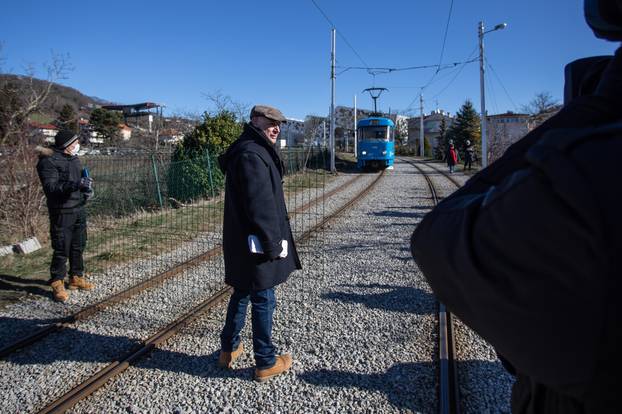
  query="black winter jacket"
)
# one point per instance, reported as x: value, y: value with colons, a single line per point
x: 60, y: 176
x: 527, y: 253
x: 255, y: 205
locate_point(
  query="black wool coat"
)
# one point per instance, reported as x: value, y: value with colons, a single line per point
x: 255, y: 205
x: 60, y: 175
x: 527, y: 253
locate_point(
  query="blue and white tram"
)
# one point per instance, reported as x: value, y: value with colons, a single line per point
x: 375, y: 143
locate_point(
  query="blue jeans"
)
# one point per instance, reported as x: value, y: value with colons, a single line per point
x: 263, y: 304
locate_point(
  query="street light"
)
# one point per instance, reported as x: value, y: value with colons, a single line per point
x: 481, y: 34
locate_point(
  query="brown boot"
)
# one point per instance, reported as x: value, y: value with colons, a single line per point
x: 226, y: 359
x: 78, y: 282
x: 58, y: 291
x: 282, y: 364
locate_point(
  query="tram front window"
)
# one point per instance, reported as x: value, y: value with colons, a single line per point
x: 374, y: 134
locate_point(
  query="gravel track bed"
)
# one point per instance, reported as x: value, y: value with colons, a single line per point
x: 33, y: 312
x: 359, y: 321
x: 485, y: 386
x: 52, y: 367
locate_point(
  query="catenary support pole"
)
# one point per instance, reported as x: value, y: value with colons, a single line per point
x: 421, y: 137
x: 332, y: 102
x: 482, y: 96
x: 355, y: 131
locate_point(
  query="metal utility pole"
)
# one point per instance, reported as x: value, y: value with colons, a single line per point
x: 421, y: 138
x: 482, y: 97
x: 355, y: 132
x: 324, y: 134
x: 332, y: 101
x: 484, y: 120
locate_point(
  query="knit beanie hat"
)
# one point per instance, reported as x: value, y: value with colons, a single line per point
x: 64, y: 138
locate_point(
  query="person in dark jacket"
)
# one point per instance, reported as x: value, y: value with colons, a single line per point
x: 259, y: 249
x: 469, y: 155
x: 527, y: 253
x: 66, y: 190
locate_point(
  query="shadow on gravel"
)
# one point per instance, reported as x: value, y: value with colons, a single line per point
x: 74, y: 345
x: 394, y: 299
x: 407, y: 386
x: 412, y: 386
x: 205, y: 366
x: 361, y: 247
x: 14, y: 328
x: 32, y: 286
x: 400, y: 214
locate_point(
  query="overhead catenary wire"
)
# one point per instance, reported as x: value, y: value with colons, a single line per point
x: 457, y: 71
x: 440, y: 60
x: 470, y: 59
x: 501, y: 83
x: 339, y: 33
x: 490, y: 92
x: 383, y: 70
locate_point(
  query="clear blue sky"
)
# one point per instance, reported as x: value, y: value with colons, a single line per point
x: 278, y: 52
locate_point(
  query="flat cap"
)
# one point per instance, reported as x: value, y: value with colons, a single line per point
x: 268, y: 112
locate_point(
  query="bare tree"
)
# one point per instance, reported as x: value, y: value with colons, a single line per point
x: 222, y: 102
x: 23, y: 96
x: 22, y: 206
x: 499, y: 143
x: 541, y: 103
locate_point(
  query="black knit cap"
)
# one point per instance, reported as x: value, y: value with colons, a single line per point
x: 64, y: 138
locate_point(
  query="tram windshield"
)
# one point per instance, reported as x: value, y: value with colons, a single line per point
x: 375, y: 133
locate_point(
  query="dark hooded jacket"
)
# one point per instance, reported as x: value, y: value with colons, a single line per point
x: 60, y: 175
x: 255, y: 205
x: 527, y: 253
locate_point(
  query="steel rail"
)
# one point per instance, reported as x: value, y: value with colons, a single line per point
x: 445, y: 173
x: 449, y: 393
x: 99, y: 379
x: 140, y: 287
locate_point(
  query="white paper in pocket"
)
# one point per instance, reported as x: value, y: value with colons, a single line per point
x: 254, y: 246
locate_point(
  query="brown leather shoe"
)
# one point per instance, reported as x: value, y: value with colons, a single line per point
x: 78, y: 282
x: 282, y: 364
x: 226, y: 359
x: 58, y: 291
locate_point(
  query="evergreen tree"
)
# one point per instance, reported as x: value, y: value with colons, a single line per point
x: 106, y: 123
x: 466, y: 126
x: 67, y: 119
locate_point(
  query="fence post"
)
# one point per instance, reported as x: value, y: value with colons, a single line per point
x: 209, y: 169
x: 157, y: 180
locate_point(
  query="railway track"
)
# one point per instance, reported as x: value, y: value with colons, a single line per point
x: 115, y: 368
x: 140, y: 287
x: 449, y: 392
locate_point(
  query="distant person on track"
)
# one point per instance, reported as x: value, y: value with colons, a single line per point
x: 259, y: 249
x: 67, y: 191
x: 528, y: 252
x: 451, y: 157
x: 469, y: 155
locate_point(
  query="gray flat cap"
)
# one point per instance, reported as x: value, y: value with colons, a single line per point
x: 268, y: 112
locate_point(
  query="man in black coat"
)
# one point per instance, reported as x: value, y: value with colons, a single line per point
x: 527, y: 253
x: 66, y: 190
x: 259, y: 249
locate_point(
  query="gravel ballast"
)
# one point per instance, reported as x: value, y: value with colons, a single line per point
x: 359, y: 320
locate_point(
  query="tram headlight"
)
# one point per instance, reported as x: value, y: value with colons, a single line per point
x: 364, y: 152
x: 384, y: 153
